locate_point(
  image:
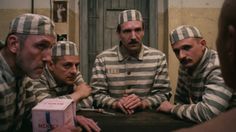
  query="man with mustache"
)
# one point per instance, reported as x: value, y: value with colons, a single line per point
x: 201, y: 93
x: 130, y: 76
x: 62, y: 79
x: 226, y: 48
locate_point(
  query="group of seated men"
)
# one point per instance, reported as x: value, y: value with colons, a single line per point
x: 128, y: 77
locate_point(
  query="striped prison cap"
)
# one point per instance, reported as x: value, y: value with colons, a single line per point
x: 183, y: 32
x: 129, y: 15
x: 32, y: 24
x: 63, y: 48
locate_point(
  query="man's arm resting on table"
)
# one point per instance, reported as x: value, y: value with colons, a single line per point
x: 81, y: 91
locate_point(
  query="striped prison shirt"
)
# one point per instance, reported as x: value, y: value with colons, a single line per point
x: 15, y: 108
x: 202, y: 95
x: 47, y: 87
x: 116, y: 74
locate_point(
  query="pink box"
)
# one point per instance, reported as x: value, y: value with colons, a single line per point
x: 51, y: 113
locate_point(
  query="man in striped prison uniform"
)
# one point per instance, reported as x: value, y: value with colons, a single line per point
x: 130, y: 76
x: 27, y: 49
x: 61, y: 77
x: 226, y: 38
x: 201, y: 93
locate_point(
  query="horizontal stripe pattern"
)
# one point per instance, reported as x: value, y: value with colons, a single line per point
x: 46, y: 87
x: 202, y: 95
x: 115, y: 75
x: 15, y: 102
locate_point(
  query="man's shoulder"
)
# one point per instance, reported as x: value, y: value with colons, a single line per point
x: 213, y: 59
x: 152, y: 50
x: 108, y: 52
x: 5, y: 75
x: 213, y: 52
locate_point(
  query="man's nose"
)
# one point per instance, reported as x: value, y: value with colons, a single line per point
x: 47, y: 55
x: 74, y: 69
x: 182, y: 54
x: 133, y: 35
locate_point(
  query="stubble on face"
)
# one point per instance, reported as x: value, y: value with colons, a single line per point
x: 32, y: 56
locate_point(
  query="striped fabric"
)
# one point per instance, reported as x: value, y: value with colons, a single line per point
x: 183, y: 32
x: 203, y: 94
x: 116, y: 75
x: 232, y: 103
x: 46, y: 87
x: 129, y: 15
x: 32, y: 24
x: 14, y: 106
x: 63, y: 48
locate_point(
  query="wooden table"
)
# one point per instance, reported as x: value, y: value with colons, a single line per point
x: 146, y: 121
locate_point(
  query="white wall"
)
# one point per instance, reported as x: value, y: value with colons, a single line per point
x: 196, y: 3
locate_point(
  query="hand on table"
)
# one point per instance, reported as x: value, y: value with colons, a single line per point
x: 119, y: 105
x: 165, y: 106
x: 129, y: 103
x: 132, y: 102
x: 88, y: 124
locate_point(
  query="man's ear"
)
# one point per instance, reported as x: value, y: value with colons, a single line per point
x: 13, y: 43
x: 203, y: 44
x: 230, y: 44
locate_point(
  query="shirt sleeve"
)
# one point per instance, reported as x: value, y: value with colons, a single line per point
x: 100, y: 86
x: 41, y: 88
x: 30, y: 98
x: 182, y: 93
x: 79, y: 79
x: 85, y: 103
x: 160, y: 90
x: 215, y: 100
x: 7, y: 103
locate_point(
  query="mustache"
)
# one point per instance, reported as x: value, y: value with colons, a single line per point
x: 133, y: 41
x: 184, y: 61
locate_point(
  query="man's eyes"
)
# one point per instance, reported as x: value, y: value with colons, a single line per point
x: 186, y: 48
x: 137, y: 30
x: 69, y: 65
x: 42, y: 46
x: 126, y: 31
